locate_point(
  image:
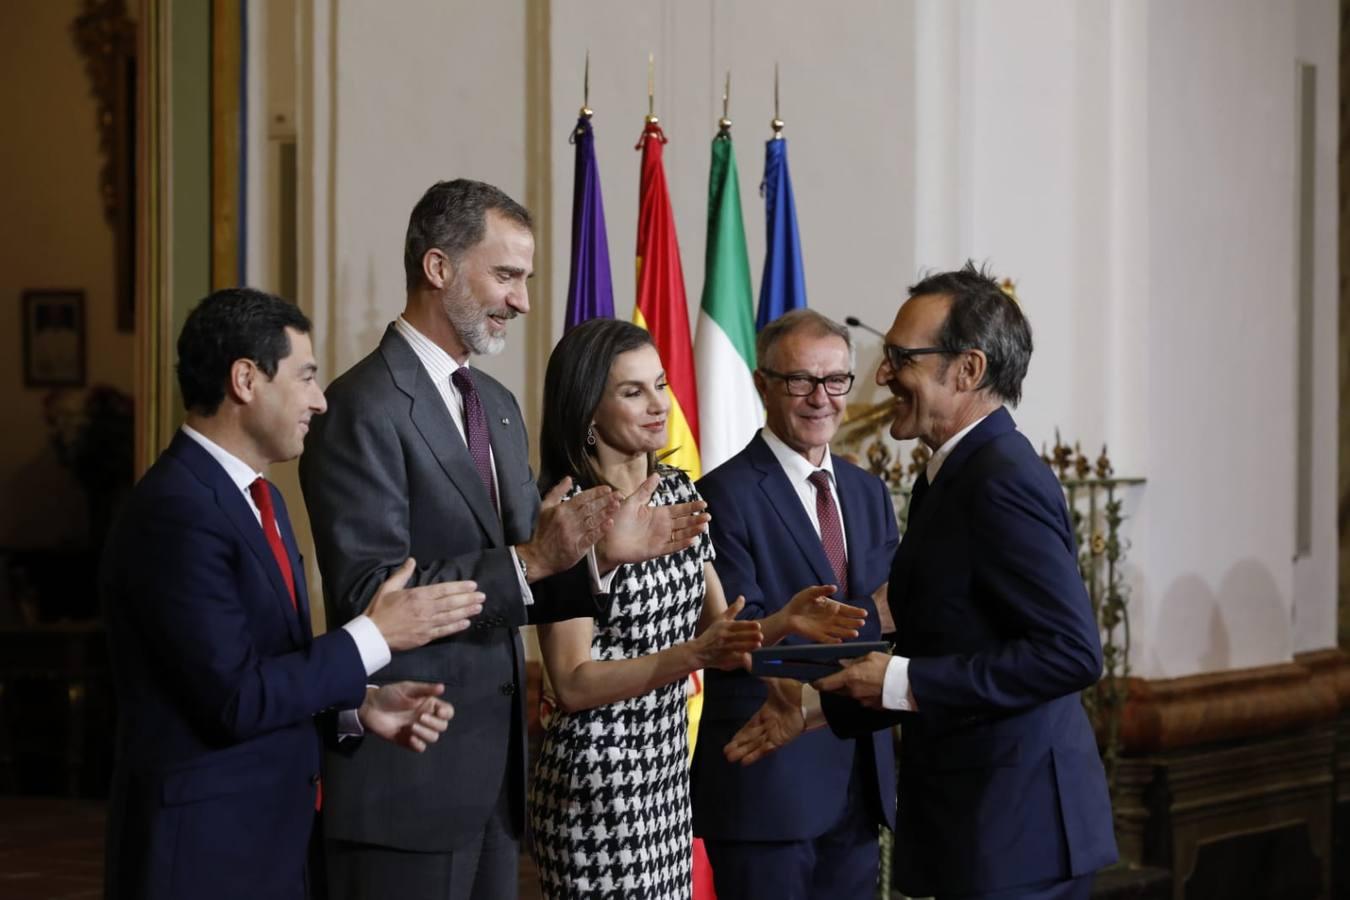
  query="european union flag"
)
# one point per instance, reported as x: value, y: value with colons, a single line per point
x: 783, y: 286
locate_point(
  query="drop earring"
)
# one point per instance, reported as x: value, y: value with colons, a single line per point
x: 590, y: 434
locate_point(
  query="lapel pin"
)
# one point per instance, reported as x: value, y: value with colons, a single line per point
x: 505, y: 420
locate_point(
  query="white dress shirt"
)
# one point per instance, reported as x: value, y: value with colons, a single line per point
x: 370, y: 644
x: 799, y: 470
x: 440, y: 366
x: 896, y: 691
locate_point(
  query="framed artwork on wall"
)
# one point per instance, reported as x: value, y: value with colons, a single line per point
x: 53, y: 338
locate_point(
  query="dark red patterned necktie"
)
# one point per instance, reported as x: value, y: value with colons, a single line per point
x: 831, y: 531
x: 262, y: 498
x: 476, y: 429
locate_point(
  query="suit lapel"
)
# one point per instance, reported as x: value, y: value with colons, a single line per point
x: 996, y: 423
x: 297, y: 565
x: 782, y: 498
x: 236, y: 509
x: 443, y: 439
x: 851, y: 504
x: 503, y: 450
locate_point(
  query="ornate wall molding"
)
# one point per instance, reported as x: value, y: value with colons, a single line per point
x: 107, y: 40
x: 106, y: 37
x: 1170, y: 714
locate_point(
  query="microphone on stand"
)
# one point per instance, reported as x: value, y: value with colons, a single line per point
x: 854, y: 322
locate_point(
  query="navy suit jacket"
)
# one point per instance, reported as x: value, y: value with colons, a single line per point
x: 767, y: 550
x: 218, y: 682
x: 1000, y: 781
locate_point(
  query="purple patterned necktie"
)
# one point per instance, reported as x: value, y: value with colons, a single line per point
x: 831, y: 531
x: 476, y: 429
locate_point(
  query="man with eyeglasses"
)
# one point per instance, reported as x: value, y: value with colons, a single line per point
x: 787, y: 514
x: 1002, y: 793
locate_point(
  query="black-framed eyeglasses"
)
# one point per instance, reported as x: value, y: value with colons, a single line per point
x: 897, y: 356
x: 799, y: 384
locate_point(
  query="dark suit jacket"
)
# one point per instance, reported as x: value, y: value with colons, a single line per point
x: 218, y: 682
x: 1000, y: 781
x: 386, y: 475
x: 767, y: 551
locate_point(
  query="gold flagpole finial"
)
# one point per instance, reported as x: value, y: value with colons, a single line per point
x: 586, y: 111
x: 777, y: 123
x: 651, y: 89
x: 724, y: 123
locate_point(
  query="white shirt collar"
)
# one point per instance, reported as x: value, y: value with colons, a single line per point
x: 797, y: 467
x: 436, y: 361
x: 938, y: 458
x: 240, y: 472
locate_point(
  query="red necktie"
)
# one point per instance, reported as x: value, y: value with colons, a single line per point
x: 261, y: 493
x: 476, y: 429
x: 831, y: 531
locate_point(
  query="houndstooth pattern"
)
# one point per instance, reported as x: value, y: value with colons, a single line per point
x: 609, y: 802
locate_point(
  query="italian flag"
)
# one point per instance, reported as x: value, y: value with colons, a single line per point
x: 729, y: 409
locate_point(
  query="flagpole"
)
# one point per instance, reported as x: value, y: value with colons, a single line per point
x: 777, y: 124
x: 724, y: 123
x: 586, y: 111
x: 651, y: 90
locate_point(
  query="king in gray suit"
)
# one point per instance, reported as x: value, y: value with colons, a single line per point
x: 421, y: 456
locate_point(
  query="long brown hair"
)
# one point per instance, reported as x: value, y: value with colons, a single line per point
x: 574, y: 383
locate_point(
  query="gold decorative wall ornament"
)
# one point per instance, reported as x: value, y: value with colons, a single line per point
x: 106, y: 38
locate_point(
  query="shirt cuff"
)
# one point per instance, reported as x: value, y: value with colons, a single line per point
x: 349, y: 725
x: 526, y: 595
x: 812, y: 714
x: 600, y: 584
x: 372, y: 646
x: 895, y: 690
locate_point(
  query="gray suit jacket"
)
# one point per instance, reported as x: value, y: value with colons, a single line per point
x: 386, y: 475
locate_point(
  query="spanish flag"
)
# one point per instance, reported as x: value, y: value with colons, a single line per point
x: 661, y: 307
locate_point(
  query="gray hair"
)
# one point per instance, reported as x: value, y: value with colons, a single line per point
x: 452, y: 217
x: 801, y: 320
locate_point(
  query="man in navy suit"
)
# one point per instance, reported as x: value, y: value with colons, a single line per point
x: 219, y: 680
x: 1001, y: 791
x: 787, y: 514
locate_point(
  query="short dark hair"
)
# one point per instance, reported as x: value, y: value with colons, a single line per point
x: 982, y: 316
x: 227, y: 326
x: 574, y: 384
x: 452, y: 217
x: 799, y: 320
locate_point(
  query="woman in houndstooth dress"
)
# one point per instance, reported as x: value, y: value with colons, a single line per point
x: 610, y: 798
x: 609, y: 802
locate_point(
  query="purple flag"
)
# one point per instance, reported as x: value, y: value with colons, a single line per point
x: 590, y: 289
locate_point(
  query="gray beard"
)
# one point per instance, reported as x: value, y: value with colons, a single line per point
x: 470, y: 323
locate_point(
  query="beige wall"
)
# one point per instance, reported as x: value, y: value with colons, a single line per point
x: 52, y: 235
x: 1131, y: 164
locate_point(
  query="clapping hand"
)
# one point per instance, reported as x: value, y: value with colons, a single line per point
x: 814, y: 616
x: 726, y: 643
x: 641, y: 531
x: 566, y: 531
x: 406, y: 713
x: 410, y: 617
x: 777, y: 722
